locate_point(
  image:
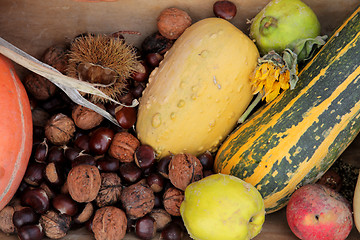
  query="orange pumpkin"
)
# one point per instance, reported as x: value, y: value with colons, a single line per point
x: 15, y: 131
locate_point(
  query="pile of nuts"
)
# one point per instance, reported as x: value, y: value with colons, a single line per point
x: 85, y: 171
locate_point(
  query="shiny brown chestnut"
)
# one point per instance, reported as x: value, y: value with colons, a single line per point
x: 154, y: 59
x: 126, y: 116
x: 100, y: 140
x: 37, y: 199
x: 163, y: 166
x: 142, y: 72
x: 224, y: 9
x: 130, y: 172
x: 108, y: 164
x: 25, y: 216
x: 155, y: 181
x: 144, y: 156
x: 41, y: 151
x: 172, y: 231
x: 207, y: 160
x: 64, y: 204
x: 145, y: 227
x: 34, y: 174
x: 82, y: 142
x: 56, y: 154
x: 83, y: 159
x: 30, y: 232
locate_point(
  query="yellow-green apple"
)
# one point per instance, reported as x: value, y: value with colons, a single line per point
x: 317, y: 212
x: 281, y: 22
x: 222, y: 207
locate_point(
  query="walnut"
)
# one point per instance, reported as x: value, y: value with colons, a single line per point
x: 110, y: 189
x: 138, y: 199
x: 172, y: 22
x: 123, y: 146
x: 39, y: 87
x: 172, y: 200
x: 84, y: 182
x: 109, y: 223
x: 162, y: 218
x: 55, y: 225
x: 86, y: 118
x: 56, y: 57
x: 184, y: 169
x: 6, y: 222
x: 60, y: 129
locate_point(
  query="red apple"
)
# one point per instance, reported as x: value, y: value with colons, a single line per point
x: 318, y: 212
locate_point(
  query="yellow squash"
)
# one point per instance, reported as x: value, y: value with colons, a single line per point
x: 199, y: 91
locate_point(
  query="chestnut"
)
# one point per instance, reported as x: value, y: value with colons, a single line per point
x: 126, y: 116
x: 84, y: 214
x: 207, y: 160
x: 141, y: 73
x: 41, y: 151
x: 224, y: 9
x: 30, y: 232
x: 53, y: 174
x: 130, y: 172
x: 108, y: 164
x: 138, y: 89
x: 83, y: 159
x: 37, y: 199
x: 100, y: 140
x: 163, y: 166
x: 34, y: 174
x: 155, y: 181
x: 64, y: 204
x: 56, y: 154
x: 83, y: 142
x: 144, y: 156
x: 25, y: 216
x: 172, y: 231
x: 154, y: 59
x: 145, y: 227
x: 71, y: 153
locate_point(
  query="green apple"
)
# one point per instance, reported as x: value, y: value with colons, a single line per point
x: 282, y: 22
x: 222, y: 206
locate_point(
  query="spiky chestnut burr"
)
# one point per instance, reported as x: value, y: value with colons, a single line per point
x: 105, y: 61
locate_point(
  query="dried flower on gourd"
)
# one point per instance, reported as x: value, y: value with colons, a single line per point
x: 105, y: 61
x: 272, y: 75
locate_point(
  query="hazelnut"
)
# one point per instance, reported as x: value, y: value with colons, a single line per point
x: 184, y: 169
x: 86, y: 118
x: 6, y: 220
x: 123, y: 146
x: 60, y: 129
x: 55, y: 225
x: 138, y: 199
x: 39, y: 87
x: 110, y: 189
x: 84, y: 182
x: 172, y: 22
x: 172, y: 200
x: 162, y: 218
x: 109, y: 223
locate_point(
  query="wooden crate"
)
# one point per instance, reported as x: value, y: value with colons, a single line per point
x: 34, y: 25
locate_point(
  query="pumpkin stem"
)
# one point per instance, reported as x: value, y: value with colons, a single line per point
x: 250, y: 108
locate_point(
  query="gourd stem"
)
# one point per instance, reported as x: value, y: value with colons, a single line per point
x: 250, y: 108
